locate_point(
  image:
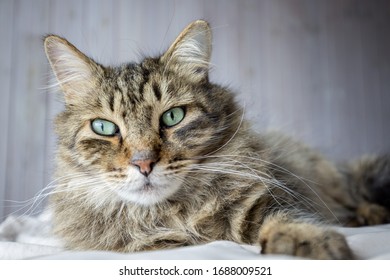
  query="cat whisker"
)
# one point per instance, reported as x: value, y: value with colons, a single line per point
x: 255, y: 160
x: 30, y: 206
x: 252, y: 175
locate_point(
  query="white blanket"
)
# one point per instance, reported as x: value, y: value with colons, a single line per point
x: 30, y: 237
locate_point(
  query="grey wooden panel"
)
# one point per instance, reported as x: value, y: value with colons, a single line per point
x: 6, y: 31
x: 314, y: 72
x: 26, y: 134
x: 317, y: 69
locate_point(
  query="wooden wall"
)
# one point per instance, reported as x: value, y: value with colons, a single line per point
x: 316, y: 69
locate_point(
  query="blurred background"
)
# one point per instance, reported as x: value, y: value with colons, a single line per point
x: 316, y: 69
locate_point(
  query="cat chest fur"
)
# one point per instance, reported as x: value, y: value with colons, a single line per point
x: 134, y: 228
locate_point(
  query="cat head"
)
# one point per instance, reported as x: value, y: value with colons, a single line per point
x: 137, y: 131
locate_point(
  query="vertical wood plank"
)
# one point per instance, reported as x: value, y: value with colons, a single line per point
x: 6, y: 31
x: 27, y: 112
x: 97, y: 29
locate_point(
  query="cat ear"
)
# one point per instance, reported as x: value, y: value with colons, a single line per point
x: 190, y: 53
x: 75, y: 72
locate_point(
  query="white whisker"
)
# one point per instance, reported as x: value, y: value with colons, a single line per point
x: 232, y: 165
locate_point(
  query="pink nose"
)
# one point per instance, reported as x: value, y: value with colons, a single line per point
x: 144, y: 161
x: 145, y: 166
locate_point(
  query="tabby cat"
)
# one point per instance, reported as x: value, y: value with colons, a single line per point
x: 153, y: 155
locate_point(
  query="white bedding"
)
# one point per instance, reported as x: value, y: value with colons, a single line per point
x: 30, y: 238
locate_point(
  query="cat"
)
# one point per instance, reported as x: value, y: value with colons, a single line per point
x: 153, y: 155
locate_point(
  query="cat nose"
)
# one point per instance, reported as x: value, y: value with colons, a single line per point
x: 144, y: 161
x: 144, y: 166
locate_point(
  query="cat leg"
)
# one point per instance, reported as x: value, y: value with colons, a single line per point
x: 281, y: 235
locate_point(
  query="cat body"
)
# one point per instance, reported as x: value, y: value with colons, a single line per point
x: 153, y: 155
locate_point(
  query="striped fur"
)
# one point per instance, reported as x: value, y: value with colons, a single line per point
x: 211, y: 177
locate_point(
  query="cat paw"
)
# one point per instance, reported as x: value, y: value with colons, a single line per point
x: 303, y: 240
x: 368, y: 214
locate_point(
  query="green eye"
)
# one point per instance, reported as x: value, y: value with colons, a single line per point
x: 104, y: 128
x: 173, y: 116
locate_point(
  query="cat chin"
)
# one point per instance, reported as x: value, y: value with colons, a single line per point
x: 147, y: 197
x: 148, y: 193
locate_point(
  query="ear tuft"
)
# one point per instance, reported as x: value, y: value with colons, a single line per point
x: 75, y: 72
x: 191, y: 51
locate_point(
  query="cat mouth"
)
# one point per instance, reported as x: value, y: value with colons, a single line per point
x: 148, y: 190
x: 147, y: 187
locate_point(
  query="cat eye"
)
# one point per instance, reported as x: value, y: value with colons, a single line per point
x: 104, y: 127
x: 173, y: 116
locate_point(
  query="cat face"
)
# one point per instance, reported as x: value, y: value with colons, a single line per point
x: 134, y: 133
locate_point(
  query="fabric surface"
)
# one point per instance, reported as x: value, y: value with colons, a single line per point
x: 30, y: 238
